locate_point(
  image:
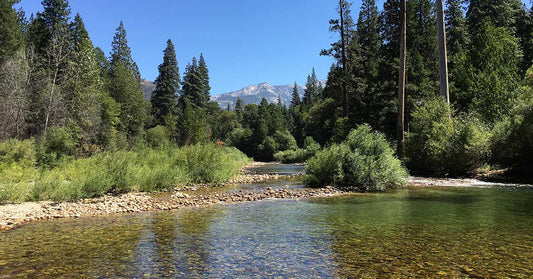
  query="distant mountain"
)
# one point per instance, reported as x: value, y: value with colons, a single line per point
x: 254, y: 93
x: 147, y: 87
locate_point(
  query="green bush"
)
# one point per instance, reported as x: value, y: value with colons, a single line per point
x: 19, y: 152
x: 56, y: 145
x: 300, y: 155
x: 122, y: 171
x: 442, y: 145
x: 285, y: 140
x: 364, y: 162
x: 512, y: 138
x: 157, y: 136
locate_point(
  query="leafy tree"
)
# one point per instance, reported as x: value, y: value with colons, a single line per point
x: 167, y: 86
x: 495, y: 79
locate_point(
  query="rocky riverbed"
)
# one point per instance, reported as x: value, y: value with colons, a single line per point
x: 15, y: 215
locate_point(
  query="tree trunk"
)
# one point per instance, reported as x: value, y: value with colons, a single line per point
x: 443, y: 56
x: 344, y: 58
x: 401, y: 85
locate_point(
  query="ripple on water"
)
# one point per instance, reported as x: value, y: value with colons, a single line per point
x: 450, y: 232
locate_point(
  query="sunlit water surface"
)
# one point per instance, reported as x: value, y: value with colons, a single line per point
x: 451, y: 232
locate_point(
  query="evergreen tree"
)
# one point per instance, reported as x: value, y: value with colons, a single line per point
x: 121, y: 52
x: 125, y: 87
x: 193, y: 85
x: 458, y: 43
x: 204, y: 74
x: 494, y: 77
x: 11, y: 38
x: 501, y: 13
x: 239, y: 108
x: 524, y: 31
x: 312, y: 92
x: 167, y: 86
x: 368, y: 28
x: 83, y: 88
x: 295, y: 101
x: 340, y: 50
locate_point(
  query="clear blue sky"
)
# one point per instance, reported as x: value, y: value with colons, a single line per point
x: 244, y: 42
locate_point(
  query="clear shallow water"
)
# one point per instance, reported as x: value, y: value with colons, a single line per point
x: 281, y: 169
x: 453, y: 232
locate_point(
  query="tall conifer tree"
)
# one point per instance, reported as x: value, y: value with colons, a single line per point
x: 167, y: 86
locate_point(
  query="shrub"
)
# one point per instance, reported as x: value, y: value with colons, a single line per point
x: 19, y: 152
x: 56, y: 145
x: 299, y: 155
x: 512, y: 138
x: 123, y: 171
x: 285, y: 140
x: 364, y: 162
x: 442, y: 145
x: 157, y: 136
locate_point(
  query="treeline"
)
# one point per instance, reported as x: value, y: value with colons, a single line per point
x: 60, y: 89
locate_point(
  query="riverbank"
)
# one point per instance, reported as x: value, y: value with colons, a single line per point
x: 187, y: 196
x: 14, y: 215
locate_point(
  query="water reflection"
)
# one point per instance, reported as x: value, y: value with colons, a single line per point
x: 451, y: 232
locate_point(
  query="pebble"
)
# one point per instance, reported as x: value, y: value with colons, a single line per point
x: 142, y: 202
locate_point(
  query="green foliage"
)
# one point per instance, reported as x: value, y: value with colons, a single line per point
x: 300, y: 155
x: 440, y: 145
x: 157, y: 136
x: 512, y: 138
x: 11, y: 39
x: 119, y: 172
x: 167, y: 86
x: 56, y: 145
x: 18, y: 152
x: 364, y: 162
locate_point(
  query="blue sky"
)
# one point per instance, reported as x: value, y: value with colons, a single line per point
x: 244, y: 42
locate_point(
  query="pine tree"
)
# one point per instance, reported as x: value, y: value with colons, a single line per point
x: 83, y: 88
x: 193, y: 85
x: 11, y: 38
x: 204, y: 74
x: 121, y: 52
x: 368, y: 28
x: 295, y: 101
x: 239, y: 108
x: 312, y: 91
x: 501, y: 13
x: 340, y: 50
x: 125, y: 87
x: 167, y: 86
x: 494, y: 76
x: 458, y: 43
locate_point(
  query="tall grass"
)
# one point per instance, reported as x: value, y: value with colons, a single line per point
x: 119, y: 172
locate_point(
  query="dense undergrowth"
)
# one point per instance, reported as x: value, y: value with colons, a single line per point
x: 145, y: 169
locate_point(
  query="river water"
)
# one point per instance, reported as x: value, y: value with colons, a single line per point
x: 424, y: 232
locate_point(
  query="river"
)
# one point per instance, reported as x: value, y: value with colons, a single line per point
x: 425, y: 232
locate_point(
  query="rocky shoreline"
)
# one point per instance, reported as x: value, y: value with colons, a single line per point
x: 14, y: 215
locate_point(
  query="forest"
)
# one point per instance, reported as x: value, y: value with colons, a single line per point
x: 65, y: 100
